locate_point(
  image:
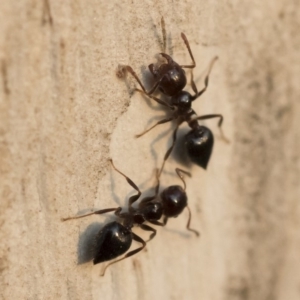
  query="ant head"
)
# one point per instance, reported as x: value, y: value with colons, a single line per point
x: 174, y: 200
x: 183, y: 101
x: 171, y: 76
x: 199, y: 143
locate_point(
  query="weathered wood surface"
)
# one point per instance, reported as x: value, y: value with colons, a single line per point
x: 63, y: 113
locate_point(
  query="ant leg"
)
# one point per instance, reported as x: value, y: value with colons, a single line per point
x: 158, y: 123
x: 194, y: 87
x: 219, y: 124
x: 179, y: 171
x: 165, y: 221
x: 206, y: 80
x: 149, y: 199
x: 156, y: 84
x: 160, y: 101
x: 155, y: 222
x: 148, y: 228
x: 130, y: 70
x: 210, y: 117
x: 189, y: 222
x: 190, y: 52
x: 131, y: 253
x: 170, y: 149
x: 97, y: 212
x: 133, y: 198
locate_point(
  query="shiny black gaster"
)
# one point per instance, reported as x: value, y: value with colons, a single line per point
x: 112, y: 241
x: 199, y: 144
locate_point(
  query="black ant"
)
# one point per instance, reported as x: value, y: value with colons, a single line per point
x: 171, y: 80
x: 115, y: 238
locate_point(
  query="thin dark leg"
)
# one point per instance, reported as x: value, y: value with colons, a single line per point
x: 205, y: 117
x: 97, y: 212
x: 165, y: 221
x: 131, y: 253
x: 211, y: 116
x: 194, y: 87
x: 149, y: 199
x: 154, y: 222
x: 130, y: 70
x: 179, y: 171
x: 133, y: 198
x: 148, y: 228
x: 156, y: 84
x: 189, y: 222
x: 190, y: 52
x: 158, y: 123
x: 206, y: 80
x: 170, y: 149
x: 162, y: 102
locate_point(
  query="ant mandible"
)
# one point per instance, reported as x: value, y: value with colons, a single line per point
x: 115, y: 238
x: 171, y: 80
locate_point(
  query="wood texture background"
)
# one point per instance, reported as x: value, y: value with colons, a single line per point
x: 64, y: 112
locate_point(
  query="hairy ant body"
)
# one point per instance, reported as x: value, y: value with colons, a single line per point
x: 115, y: 238
x: 171, y: 80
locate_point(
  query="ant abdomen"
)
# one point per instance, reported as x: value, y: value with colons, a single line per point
x: 199, y: 144
x: 174, y: 200
x: 113, y: 240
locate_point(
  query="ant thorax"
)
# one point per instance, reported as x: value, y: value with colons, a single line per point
x: 183, y: 102
x: 153, y: 211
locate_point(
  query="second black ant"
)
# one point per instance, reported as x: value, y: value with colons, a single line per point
x: 116, y: 237
x: 170, y: 80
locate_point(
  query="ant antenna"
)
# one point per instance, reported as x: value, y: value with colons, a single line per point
x: 179, y: 173
x: 158, y: 182
x: 198, y: 94
x: 190, y: 52
x: 127, y: 178
x: 189, y: 223
x: 133, y: 198
x: 164, y: 33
